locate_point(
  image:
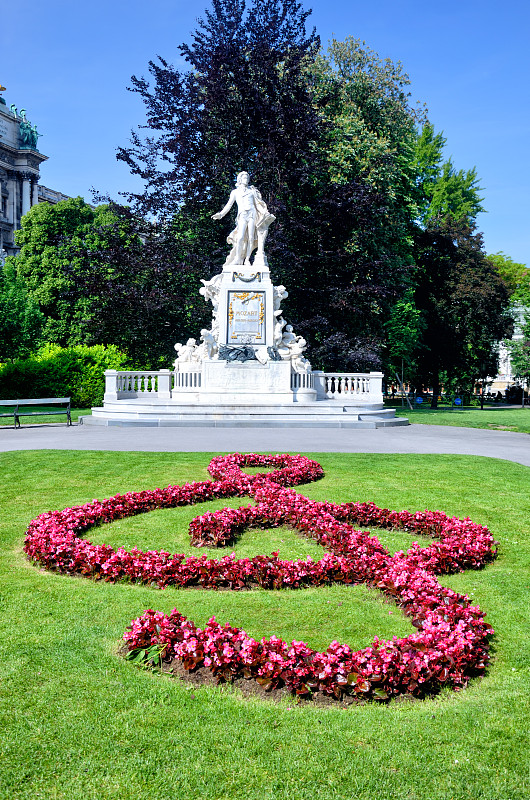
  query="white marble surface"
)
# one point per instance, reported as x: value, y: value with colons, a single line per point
x: 252, y: 223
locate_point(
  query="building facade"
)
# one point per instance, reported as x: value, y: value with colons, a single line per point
x: 506, y: 376
x: 20, y: 161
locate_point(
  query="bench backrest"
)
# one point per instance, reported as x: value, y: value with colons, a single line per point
x: 43, y: 401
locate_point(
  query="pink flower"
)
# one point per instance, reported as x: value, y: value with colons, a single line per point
x: 451, y: 642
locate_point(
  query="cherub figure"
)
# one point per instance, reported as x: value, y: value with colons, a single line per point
x: 187, y: 352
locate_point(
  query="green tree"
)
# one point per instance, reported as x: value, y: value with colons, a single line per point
x: 369, y: 142
x: 370, y: 133
x: 404, y: 330
x: 442, y: 190
x: 21, y: 322
x: 143, y: 293
x: 463, y: 303
x: 105, y: 276
x: 46, y: 263
x: 516, y: 277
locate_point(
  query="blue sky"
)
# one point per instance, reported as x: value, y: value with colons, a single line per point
x: 69, y: 64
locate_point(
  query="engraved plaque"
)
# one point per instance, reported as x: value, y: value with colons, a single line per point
x: 246, y: 318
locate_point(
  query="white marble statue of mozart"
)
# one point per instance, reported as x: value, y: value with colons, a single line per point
x: 252, y: 224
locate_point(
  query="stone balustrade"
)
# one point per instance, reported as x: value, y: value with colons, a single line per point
x: 121, y: 385
x: 188, y: 377
x: 365, y: 386
x: 129, y: 384
x: 302, y: 380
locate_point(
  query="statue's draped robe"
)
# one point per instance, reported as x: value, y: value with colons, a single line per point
x: 263, y: 219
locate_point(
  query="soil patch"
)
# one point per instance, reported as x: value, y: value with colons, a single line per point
x: 250, y: 688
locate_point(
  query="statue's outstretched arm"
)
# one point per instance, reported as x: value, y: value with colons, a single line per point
x: 226, y: 209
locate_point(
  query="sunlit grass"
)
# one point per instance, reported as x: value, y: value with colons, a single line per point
x: 80, y: 723
x: 499, y: 418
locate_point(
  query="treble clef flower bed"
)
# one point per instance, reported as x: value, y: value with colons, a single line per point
x: 449, y: 647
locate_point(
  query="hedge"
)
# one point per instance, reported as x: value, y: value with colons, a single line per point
x: 54, y: 371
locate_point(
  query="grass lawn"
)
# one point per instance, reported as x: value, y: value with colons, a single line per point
x: 496, y: 419
x: 80, y: 723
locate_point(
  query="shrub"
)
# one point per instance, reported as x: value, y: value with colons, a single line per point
x: 54, y: 371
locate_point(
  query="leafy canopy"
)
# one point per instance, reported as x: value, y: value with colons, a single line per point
x: 442, y: 190
x: 21, y: 322
x: 463, y: 303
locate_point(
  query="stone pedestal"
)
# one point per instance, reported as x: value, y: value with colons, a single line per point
x: 251, y: 383
x: 245, y: 314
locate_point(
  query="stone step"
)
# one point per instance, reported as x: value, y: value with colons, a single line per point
x: 159, y: 409
x: 245, y: 421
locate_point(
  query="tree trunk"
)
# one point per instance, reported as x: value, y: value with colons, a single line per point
x: 435, y: 389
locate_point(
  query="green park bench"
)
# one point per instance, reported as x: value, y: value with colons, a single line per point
x: 46, y: 406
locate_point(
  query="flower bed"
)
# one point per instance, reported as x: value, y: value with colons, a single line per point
x: 451, y: 643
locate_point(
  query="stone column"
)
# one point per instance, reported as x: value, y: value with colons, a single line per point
x: 35, y: 193
x: 111, y: 385
x: 319, y: 382
x: 376, y: 387
x: 12, y: 198
x: 26, y: 193
x: 164, y: 384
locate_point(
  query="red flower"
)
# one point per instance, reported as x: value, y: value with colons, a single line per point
x: 451, y: 643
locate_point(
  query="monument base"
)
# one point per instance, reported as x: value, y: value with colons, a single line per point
x: 316, y: 414
x: 224, y: 394
x: 226, y: 384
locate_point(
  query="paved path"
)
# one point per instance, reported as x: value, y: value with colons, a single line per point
x: 410, y: 439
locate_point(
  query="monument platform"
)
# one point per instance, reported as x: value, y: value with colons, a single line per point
x: 166, y: 399
x: 327, y: 415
